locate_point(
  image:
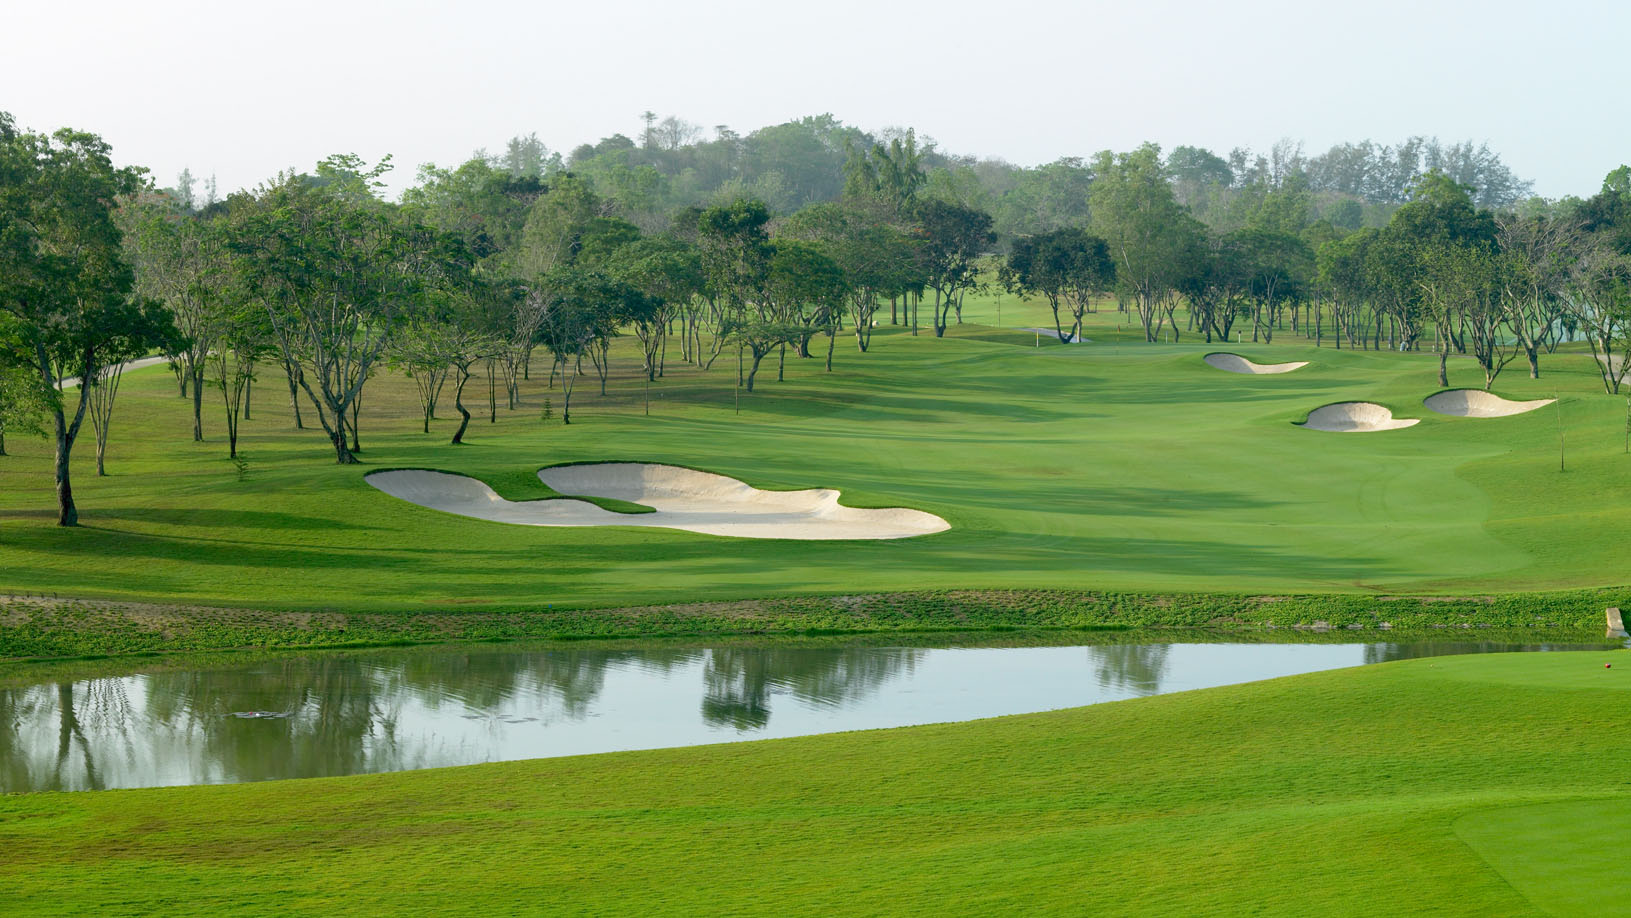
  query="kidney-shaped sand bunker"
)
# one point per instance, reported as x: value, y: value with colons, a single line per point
x: 1234, y: 363
x: 1476, y: 403
x: 681, y: 498
x: 1355, y: 417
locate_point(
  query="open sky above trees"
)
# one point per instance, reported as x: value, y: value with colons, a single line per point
x: 244, y: 93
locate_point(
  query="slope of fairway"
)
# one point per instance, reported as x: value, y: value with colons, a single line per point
x: 1340, y: 793
x: 1128, y: 467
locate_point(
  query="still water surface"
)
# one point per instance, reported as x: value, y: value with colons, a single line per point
x: 340, y: 714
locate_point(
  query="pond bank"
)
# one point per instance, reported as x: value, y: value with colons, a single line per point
x: 36, y: 628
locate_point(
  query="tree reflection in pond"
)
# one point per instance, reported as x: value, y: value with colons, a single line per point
x: 1133, y: 668
x: 739, y: 682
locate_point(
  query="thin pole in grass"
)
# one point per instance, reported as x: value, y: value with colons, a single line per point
x: 1559, y: 403
x: 739, y: 379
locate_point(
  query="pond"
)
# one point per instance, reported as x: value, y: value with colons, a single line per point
x: 340, y: 714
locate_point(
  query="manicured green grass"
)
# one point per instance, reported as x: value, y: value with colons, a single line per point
x: 1388, y: 789
x: 1124, y: 467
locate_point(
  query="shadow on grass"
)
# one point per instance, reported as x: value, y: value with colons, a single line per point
x: 649, y: 565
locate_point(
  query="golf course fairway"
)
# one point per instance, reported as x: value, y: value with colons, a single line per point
x: 1114, y: 466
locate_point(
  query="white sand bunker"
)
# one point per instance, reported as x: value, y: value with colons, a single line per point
x: 1234, y: 363
x: 1355, y: 417
x: 1476, y: 403
x: 682, y: 498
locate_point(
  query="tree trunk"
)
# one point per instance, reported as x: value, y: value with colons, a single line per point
x: 291, y: 371
x: 67, y: 513
x: 198, y: 404
x: 342, y: 452
x: 1443, y: 375
x: 458, y: 402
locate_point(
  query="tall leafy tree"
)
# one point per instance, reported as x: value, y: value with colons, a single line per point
x: 876, y: 257
x: 1067, y: 267
x: 64, y: 279
x: 338, y: 271
x: 180, y: 261
x: 668, y: 271
x: 1153, y: 240
x: 1436, y: 242
x: 954, y: 237
x: 1537, y: 254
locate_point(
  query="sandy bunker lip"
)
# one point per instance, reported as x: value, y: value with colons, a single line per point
x: 681, y: 498
x: 1476, y: 403
x: 1355, y: 417
x: 1234, y: 363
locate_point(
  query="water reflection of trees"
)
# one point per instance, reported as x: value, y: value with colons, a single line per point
x: 344, y: 714
x: 1382, y: 653
x: 57, y: 736
x: 1135, y: 668
x: 738, y: 682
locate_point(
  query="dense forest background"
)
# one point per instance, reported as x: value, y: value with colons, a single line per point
x: 672, y: 165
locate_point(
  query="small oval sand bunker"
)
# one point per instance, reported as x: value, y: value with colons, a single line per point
x: 1476, y: 403
x: 1355, y: 417
x: 1234, y: 363
x: 681, y: 498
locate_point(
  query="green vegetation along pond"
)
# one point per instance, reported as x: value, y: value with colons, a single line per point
x: 340, y: 714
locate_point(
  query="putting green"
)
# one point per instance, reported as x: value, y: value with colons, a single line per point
x: 1565, y: 858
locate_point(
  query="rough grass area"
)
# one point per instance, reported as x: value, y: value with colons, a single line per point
x: 1362, y: 791
x: 1115, y: 466
x: 42, y: 627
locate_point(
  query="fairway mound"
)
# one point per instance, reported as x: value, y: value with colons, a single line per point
x: 681, y: 498
x: 1234, y: 363
x: 1476, y: 403
x: 1355, y: 417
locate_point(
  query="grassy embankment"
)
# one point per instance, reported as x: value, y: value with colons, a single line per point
x: 1482, y: 786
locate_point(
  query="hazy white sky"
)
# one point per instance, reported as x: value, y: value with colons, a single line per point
x: 245, y: 89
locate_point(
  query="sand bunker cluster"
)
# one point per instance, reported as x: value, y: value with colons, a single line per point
x: 1369, y: 417
x: 681, y: 498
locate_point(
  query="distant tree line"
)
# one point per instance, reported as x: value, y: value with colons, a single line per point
x: 672, y: 164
